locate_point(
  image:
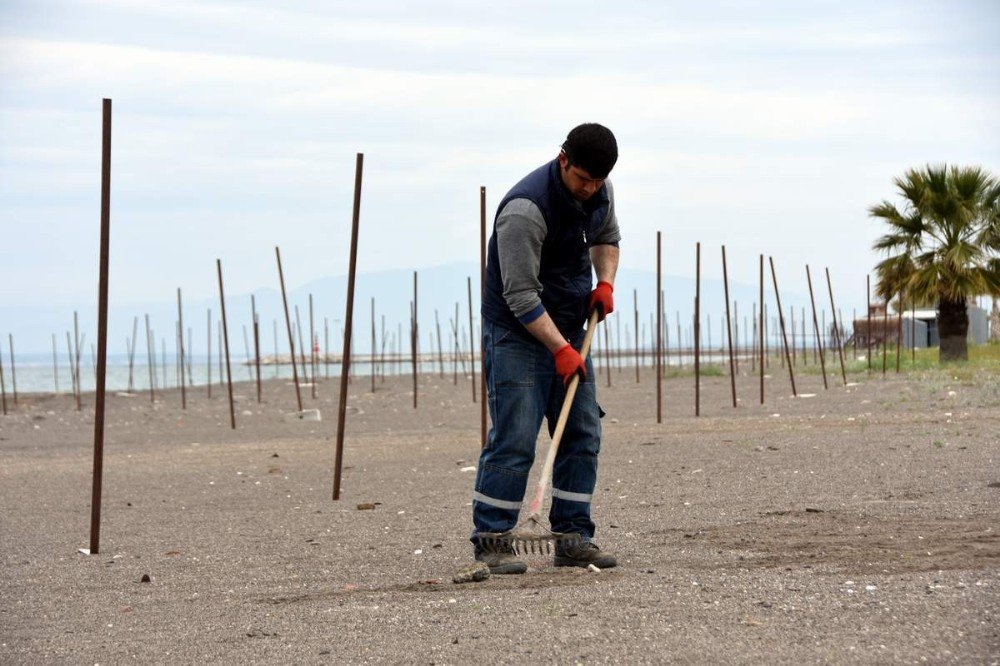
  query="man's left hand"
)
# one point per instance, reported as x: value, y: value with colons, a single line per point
x: 602, y: 299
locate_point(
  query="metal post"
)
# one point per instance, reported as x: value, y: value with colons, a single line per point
x: 288, y: 323
x: 472, y: 342
x: 659, y: 338
x: 208, y: 349
x: 102, y: 331
x: 225, y: 346
x: 348, y: 326
x: 638, y: 350
x: 729, y: 330
x: 150, y: 361
x: 836, y: 329
x: 312, y: 348
x: 761, y: 337
x: 415, y: 341
x: 180, y: 343
x: 697, y: 330
x: 781, y: 322
x: 819, y: 340
x: 256, y: 343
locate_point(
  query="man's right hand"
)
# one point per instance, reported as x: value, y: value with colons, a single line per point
x: 568, y: 363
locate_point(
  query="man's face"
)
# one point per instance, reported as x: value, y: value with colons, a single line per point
x: 581, y: 185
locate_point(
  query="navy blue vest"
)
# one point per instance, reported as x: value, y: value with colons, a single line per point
x: 565, y: 270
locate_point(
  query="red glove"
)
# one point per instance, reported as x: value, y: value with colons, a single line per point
x: 602, y: 298
x: 568, y: 363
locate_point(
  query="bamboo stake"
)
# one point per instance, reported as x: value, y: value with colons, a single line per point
x: 348, y: 326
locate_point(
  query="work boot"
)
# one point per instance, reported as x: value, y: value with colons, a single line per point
x: 502, y: 562
x: 584, y: 554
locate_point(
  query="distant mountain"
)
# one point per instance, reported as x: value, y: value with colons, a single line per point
x: 440, y: 288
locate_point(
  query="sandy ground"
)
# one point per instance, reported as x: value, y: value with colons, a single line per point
x: 861, y: 525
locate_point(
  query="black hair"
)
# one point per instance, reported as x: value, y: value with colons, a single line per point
x: 592, y: 147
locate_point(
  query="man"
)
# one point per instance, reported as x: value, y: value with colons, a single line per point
x: 551, y: 230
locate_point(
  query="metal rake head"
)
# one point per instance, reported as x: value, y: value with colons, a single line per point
x: 529, y: 537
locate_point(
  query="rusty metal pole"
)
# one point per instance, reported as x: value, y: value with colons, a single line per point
x: 440, y: 345
x: 415, y: 342
x: 13, y: 367
x: 225, y: 346
x: 131, y: 354
x: 472, y: 342
x: 180, y: 338
x: 288, y: 324
x: 256, y: 343
x: 697, y: 329
x: 76, y: 361
x: 302, y: 349
x: 348, y: 326
x: 885, y: 337
x: 102, y: 332
x: 729, y: 329
x: 868, y: 332
x: 819, y: 343
x: 899, y: 331
x: 208, y: 348
x: 836, y: 329
x: 761, y: 337
x: 372, y: 364
x: 150, y: 362
x: 781, y: 323
x: 638, y: 351
x: 659, y: 336
x: 312, y: 348
x: 482, y: 290
x: 3, y: 387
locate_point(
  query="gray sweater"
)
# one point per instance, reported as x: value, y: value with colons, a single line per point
x: 520, y: 230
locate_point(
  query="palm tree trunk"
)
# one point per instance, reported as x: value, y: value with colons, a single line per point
x: 953, y: 328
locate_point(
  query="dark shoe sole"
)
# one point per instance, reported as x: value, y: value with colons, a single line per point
x: 603, y: 562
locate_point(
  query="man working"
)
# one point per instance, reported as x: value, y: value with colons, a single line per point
x: 551, y: 230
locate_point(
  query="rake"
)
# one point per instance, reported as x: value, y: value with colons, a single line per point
x: 531, y: 535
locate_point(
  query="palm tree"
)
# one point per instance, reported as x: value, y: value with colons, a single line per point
x: 943, y: 246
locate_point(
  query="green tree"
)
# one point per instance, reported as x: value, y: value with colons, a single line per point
x: 943, y: 245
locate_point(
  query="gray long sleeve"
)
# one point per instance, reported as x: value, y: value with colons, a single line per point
x: 520, y: 232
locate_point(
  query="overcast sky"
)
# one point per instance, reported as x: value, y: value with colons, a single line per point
x: 770, y: 127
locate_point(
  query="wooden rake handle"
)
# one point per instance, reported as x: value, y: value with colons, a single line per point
x: 550, y: 457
